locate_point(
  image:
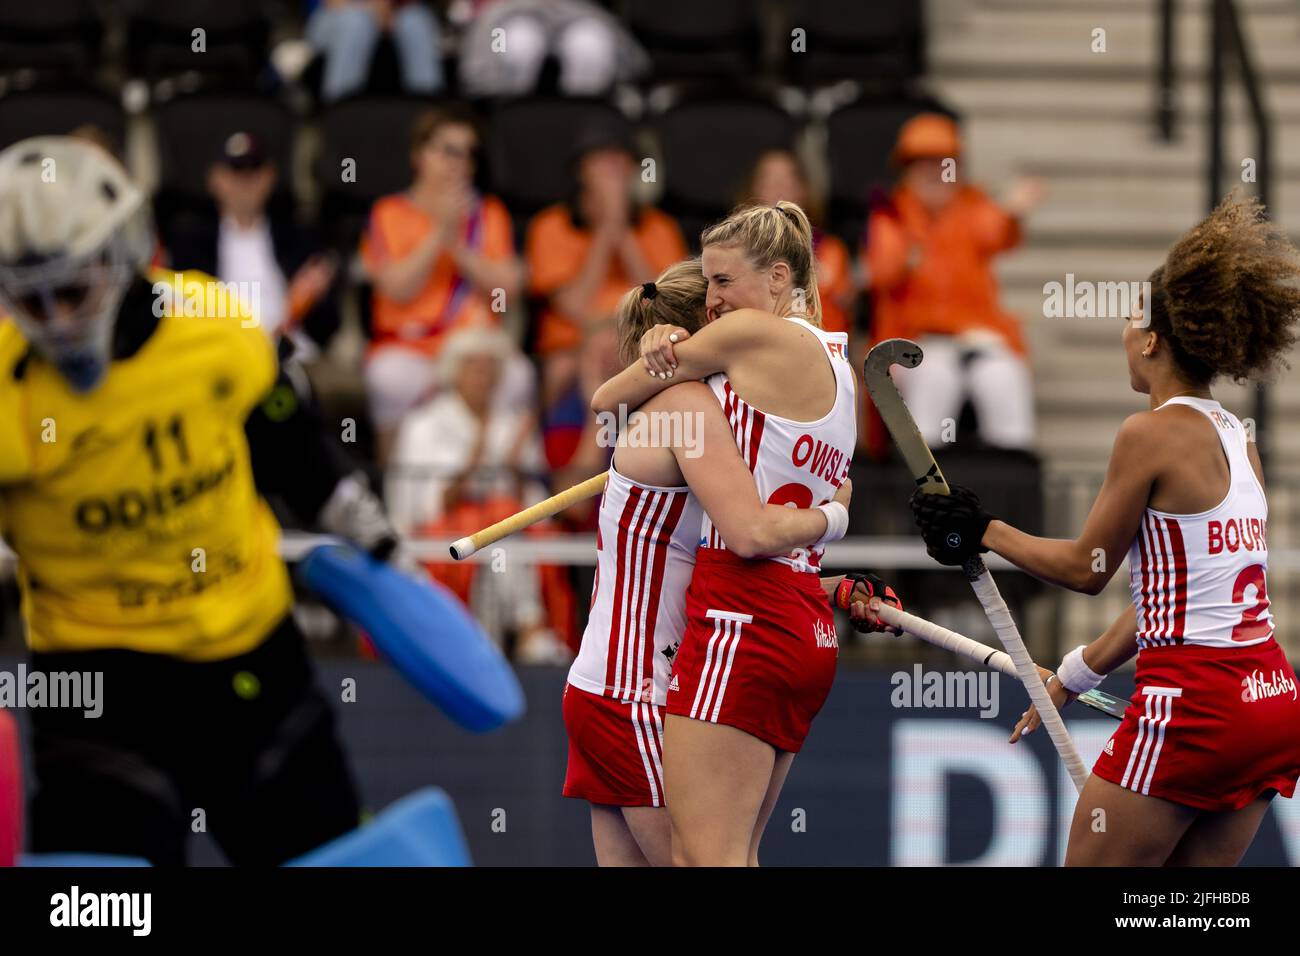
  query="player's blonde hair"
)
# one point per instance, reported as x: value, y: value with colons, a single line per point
x: 771, y: 234
x: 675, y: 298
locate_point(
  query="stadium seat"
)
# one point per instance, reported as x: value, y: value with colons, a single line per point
x: 716, y: 138
x: 859, y: 137
x: 58, y: 36
x: 50, y: 113
x: 855, y: 40
x: 190, y: 133
x: 160, y: 39
x: 421, y: 829
x: 373, y: 131
x: 686, y: 38
x: 529, y: 148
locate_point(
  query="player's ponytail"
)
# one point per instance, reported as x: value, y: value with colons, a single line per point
x: 675, y: 298
x: 1227, y: 298
x: 771, y: 234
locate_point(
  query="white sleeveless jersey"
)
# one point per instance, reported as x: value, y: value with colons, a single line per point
x: 645, y: 553
x: 1200, y: 579
x: 800, y: 464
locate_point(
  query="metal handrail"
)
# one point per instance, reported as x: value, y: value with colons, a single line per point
x: 1227, y: 42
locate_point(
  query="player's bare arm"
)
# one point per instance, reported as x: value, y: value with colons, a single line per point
x: 1088, y: 562
x: 722, y: 482
x: 1113, y: 648
x: 739, y: 337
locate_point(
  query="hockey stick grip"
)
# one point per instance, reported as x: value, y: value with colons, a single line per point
x: 520, y: 520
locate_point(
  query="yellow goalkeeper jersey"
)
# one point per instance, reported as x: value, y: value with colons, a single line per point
x: 132, y: 508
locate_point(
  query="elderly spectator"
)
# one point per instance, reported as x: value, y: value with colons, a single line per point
x: 346, y: 32
x: 780, y: 175
x: 244, y: 243
x: 442, y: 258
x: 929, y: 255
x: 584, y: 254
x: 464, y: 461
x: 507, y: 41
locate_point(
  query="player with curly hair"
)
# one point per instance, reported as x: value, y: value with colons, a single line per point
x: 1212, y: 733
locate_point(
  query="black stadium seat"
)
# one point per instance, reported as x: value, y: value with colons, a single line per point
x: 190, y: 134
x: 859, y: 137
x: 375, y: 134
x: 60, y: 36
x: 530, y: 148
x: 41, y: 113
x: 708, y: 146
x: 853, y: 39
x: 690, y: 38
x: 160, y: 39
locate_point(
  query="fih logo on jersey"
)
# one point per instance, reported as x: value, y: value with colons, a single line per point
x: 825, y: 635
x: 1256, y: 687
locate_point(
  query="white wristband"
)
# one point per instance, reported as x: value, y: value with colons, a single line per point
x: 837, y: 521
x: 1075, y: 675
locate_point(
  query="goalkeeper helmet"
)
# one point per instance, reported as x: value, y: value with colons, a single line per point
x: 74, y: 233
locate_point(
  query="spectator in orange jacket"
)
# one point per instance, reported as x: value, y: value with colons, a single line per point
x: 583, y: 255
x: 779, y: 175
x: 929, y: 257
x: 442, y: 259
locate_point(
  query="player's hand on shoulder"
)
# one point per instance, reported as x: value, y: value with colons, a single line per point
x: 657, y: 349
x: 952, y: 525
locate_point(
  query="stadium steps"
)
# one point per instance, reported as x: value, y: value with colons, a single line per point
x: 1037, y: 101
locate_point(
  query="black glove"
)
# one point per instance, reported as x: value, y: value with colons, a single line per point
x: 952, y: 525
x: 874, y: 587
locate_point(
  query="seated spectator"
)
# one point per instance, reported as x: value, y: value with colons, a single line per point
x: 779, y: 175
x: 346, y: 32
x: 584, y: 254
x: 464, y: 461
x: 441, y: 258
x: 593, y: 48
x: 929, y: 254
x: 285, y: 264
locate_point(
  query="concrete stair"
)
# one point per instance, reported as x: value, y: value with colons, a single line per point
x: 1037, y: 101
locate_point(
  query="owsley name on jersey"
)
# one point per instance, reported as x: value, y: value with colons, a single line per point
x: 1236, y: 534
x: 821, y: 459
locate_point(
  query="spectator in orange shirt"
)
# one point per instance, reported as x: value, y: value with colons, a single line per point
x: 929, y: 256
x: 779, y: 175
x: 441, y: 258
x: 583, y: 255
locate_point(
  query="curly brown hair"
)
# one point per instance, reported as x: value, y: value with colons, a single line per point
x: 1227, y: 297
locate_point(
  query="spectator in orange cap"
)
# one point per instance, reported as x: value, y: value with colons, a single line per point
x: 442, y: 258
x: 929, y: 255
x: 779, y: 175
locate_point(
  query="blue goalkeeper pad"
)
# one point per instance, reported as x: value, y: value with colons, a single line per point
x: 420, y: 829
x: 423, y: 630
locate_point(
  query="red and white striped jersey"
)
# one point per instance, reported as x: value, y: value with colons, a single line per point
x: 645, y: 553
x: 1200, y: 579
x: 799, y: 464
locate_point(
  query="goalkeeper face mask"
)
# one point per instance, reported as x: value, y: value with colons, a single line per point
x: 74, y: 232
